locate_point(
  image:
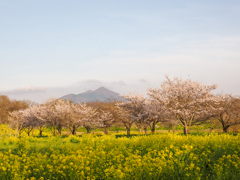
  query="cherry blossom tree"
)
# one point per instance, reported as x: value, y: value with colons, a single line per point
x: 156, y: 113
x: 186, y: 99
x: 66, y: 112
x: 228, y: 113
x: 39, y: 121
x: 29, y: 120
x: 106, y: 112
x: 133, y: 109
x: 26, y: 120
x: 90, y: 118
x: 56, y: 114
x: 123, y: 114
x: 107, y: 120
x: 47, y: 113
x: 16, y: 121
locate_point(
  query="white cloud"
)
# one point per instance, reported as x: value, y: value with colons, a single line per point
x: 27, y: 89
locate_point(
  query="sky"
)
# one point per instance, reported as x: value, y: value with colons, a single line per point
x: 51, y: 48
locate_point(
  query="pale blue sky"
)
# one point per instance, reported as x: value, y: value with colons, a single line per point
x: 56, y: 47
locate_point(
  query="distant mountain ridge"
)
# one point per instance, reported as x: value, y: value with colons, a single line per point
x: 100, y: 94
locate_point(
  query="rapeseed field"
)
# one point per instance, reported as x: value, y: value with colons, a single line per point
x: 157, y: 156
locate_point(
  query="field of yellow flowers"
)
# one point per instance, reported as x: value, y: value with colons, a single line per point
x: 157, y: 156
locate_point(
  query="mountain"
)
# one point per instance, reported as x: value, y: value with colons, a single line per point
x: 100, y: 94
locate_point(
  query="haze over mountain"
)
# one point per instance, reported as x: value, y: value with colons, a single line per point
x: 100, y: 94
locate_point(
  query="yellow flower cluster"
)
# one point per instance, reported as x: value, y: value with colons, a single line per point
x: 159, y: 156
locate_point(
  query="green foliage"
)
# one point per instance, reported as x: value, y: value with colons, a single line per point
x: 74, y: 139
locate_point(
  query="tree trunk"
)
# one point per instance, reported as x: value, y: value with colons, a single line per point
x: 145, y: 130
x: 105, y: 130
x: 59, y: 128
x: 74, y: 130
x: 88, y: 129
x: 40, y: 132
x: 185, y: 129
x: 93, y: 131
x: 225, y: 129
x: 169, y: 128
x: 173, y: 129
x: 54, y: 131
x: 153, y: 128
x: 128, y: 131
x: 188, y: 131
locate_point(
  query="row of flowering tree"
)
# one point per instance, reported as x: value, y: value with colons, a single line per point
x: 176, y: 102
x: 182, y: 102
x: 57, y: 114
